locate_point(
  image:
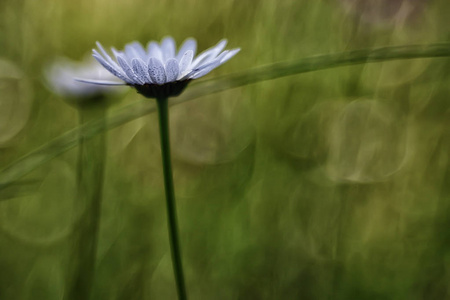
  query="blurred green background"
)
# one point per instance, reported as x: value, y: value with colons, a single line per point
x: 327, y: 185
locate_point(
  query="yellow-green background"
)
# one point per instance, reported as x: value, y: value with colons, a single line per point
x: 328, y: 185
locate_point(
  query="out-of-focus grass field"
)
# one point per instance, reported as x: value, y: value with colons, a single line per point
x: 327, y: 185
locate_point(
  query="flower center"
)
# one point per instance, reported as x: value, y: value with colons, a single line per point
x: 166, y: 90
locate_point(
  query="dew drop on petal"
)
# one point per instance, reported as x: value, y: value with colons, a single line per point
x: 156, y: 71
x: 141, y: 70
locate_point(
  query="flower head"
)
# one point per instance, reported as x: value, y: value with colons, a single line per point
x: 60, y: 76
x: 159, y: 70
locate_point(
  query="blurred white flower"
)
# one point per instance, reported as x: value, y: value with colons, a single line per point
x: 159, y: 70
x: 62, y: 72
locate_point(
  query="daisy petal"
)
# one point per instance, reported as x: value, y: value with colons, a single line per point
x: 153, y: 50
x: 206, y: 69
x: 172, y: 70
x: 185, y: 61
x: 99, y: 82
x: 126, y: 67
x: 219, y: 57
x: 219, y: 47
x: 188, y: 44
x: 105, y: 55
x: 213, y: 62
x: 222, y: 57
x: 210, y: 54
x: 141, y: 70
x: 115, y: 71
x: 229, y: 55
x: 134, y: 50
x: 168, y: 48
x: 156, y: 71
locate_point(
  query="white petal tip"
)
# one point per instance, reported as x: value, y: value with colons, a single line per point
x: 99, y: 82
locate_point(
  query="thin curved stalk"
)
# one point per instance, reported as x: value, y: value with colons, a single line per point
x: 163, y: 114
x: 90, y: 174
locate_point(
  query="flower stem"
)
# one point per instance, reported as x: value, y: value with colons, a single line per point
x: 163, y: 112
x: 90, y: 173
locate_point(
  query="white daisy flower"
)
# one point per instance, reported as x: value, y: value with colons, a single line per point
x: 60, y: 76
x: 159, y: 70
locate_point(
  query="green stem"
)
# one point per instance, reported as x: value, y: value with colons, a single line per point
x: 91, y: 159
x: 163, y: 111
